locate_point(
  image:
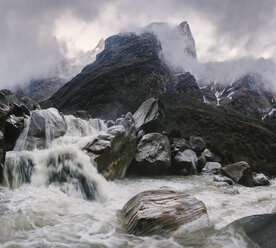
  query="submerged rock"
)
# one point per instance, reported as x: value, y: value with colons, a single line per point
x: 164, y: 212
x: 43, y: 127
x: 149, y: 116
x: 260, y: 179
x: 153, y: 155
x: 240, y: 172
x: 82, y: 114
x: 114, y: 151
x: 260, y: 228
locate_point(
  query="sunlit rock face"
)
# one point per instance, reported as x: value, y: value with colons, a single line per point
x: 164, y: 212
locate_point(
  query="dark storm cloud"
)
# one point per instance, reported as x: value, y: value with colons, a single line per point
x: 28, y: 48
x: 27, y: 45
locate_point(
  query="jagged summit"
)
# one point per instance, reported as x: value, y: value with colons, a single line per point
x: 174, y: 37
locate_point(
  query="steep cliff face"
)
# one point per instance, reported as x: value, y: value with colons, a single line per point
x: 127, y: 72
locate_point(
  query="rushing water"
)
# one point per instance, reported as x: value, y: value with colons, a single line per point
x: 41, y: 213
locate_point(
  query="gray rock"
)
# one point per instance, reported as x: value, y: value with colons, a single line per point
x: 208, y: 156
x: 149, y: 116
x: 180, y: 144
x: 43, y: 127
x: 260, y: 179
x: 110, y: 123
x: 153, y: 156
x: 212, y: 167
x: 197, y: 144
x: 184, y: 163
x: 260, y: 228
x: 223, y: 179
x: 164, y: 212
x: 114, y: 151
x: 240, y: 172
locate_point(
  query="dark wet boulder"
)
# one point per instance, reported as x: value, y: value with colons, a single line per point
x: 180, y: 143
x: 114, y: 150
x: 212, y: 167
x: 240, y: 172
x: 164, y: 212
x: 197, y: 144
x: 42, y: 128
x: 153, y: 155
x: 259, y: 228
x: 260, y: 179
x: 13, y: 128
x: 149, y: 116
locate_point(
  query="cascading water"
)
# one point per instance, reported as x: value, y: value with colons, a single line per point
x: 63, y: 163
x: 56, y: 198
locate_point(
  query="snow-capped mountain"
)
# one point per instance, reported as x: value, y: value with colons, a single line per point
x: 248, y: 95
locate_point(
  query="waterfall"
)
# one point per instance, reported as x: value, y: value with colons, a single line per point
x: 62, y: 163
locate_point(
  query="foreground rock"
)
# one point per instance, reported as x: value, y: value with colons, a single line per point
x: 41, y: 129
x: 260, y: 228
x: 153, y: 155
x: 149, y: 116
x: 164, y: 212
x: 240, y: 172
x: 114, y: 151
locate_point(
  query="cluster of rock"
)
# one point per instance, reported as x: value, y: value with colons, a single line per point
x: 135, y: 145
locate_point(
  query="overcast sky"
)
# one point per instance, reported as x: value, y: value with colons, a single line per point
x: 36, y: 34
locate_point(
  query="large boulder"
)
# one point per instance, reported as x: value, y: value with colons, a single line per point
x: 164, y: 212
x: 153, y: 155
x: 197, y: 144
x: 149, y: 116
x: 240, y: 172
x: 260, y: 228
x: 114, y: 151
x: 43, y: 127
x: 184, y: 163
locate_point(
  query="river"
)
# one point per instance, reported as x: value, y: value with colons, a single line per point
x: 45, y: 214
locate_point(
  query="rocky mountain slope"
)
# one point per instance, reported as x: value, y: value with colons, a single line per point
x: 128, y: 71
x: 131, y: 69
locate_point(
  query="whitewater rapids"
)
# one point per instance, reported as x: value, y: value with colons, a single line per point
x: 44, y: 214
